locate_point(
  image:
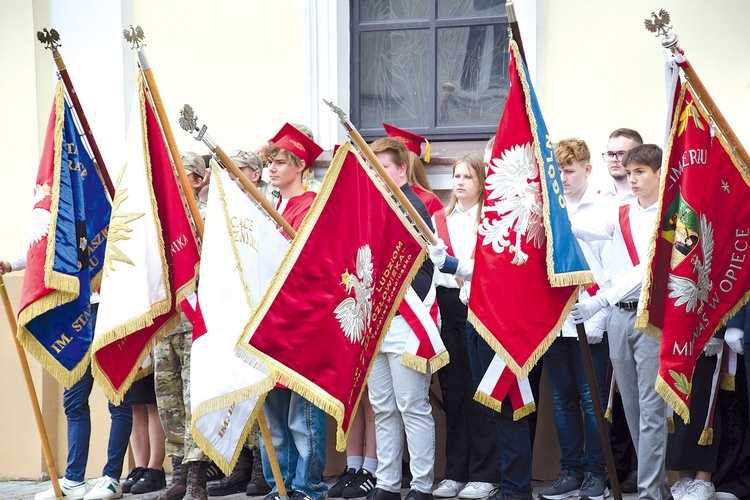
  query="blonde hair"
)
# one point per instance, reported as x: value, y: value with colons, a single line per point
x: 475, y: 162
x: 569, y: 151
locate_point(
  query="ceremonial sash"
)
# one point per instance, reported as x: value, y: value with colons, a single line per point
x: 424, y: 346
x: 728, y: 368
x: 707, y: 436
x: 499, y: 382
x: 627, y: 234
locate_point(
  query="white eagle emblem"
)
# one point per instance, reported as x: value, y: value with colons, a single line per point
x: 354, y: 313
x: 518, y: 203
x: 690, y: 292
x: 40, y: 217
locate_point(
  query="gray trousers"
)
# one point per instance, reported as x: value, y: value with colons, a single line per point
x: 635, y: 361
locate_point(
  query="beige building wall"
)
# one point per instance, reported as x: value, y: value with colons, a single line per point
x: 247, y: 67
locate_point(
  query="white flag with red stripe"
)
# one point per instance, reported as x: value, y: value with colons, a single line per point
x: 498, y: 382
x: 424, y: 347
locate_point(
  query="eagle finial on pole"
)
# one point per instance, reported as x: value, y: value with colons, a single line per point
x: 50, y: 38
x: 135, y: 37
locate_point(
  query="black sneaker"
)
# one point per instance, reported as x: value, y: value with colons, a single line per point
x: 379, y: 494
x: 362, y: 484
x: 133, y: 477
x: 213, y: 473
x: 418, y: 495
x: 405, y: 475
x: 299, y: 495
x: 630, y: 483
x: 274, y: 495
x: 342, y: 482
x: 151, y: 480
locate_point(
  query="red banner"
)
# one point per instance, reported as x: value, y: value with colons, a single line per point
x: 323, y: 317
x: 698, y: 276
x: 520, y: 294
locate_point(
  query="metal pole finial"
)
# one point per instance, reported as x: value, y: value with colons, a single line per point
x: 50, y: 38
x: 135, y: 37
x: 659, y: 25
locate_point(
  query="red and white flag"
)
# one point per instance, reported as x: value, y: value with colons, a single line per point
x: 326, y: 312
x: 424, y: 347
x: 152, y: 256
x: 498, y: 382
x: 242, y: 248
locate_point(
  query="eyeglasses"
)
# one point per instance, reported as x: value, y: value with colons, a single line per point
x: 611, y: 156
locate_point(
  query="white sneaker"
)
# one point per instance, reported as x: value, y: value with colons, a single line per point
x: 105, y: 488
x: 476, y: 490
x: 725, y: 495
x: 69, y: 489
x: 448, y: 488
x: 680, y: 488
x: 700, y: 490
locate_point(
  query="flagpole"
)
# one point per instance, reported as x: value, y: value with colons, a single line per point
x: 32, y: 391
x: 588, y: 365
x: 51, y: 40
x: 514, y: 29
x: 135, y: 37
x: 375, y: 162
x: 588, y: 368
x: 189, y: 124
x: 660, y: 26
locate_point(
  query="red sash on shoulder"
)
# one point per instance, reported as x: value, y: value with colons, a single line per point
x: 441, y: 226
x: 627, y: 234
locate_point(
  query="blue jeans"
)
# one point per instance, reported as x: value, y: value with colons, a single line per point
x: 78, y: 415
x: 513, y: 441
x: 571, y: 395
x: 298, y: 433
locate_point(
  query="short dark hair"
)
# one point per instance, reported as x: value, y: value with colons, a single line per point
x: 627, y: 132
x: 645, y: 154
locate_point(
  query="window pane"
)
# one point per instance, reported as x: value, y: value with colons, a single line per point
x: 472, y: 70
x: 452, y: 9
x: 394, y: 78
x: 393, y: 10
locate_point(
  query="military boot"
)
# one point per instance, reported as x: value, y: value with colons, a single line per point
x: 237, y: 480
x: 196, y: 481
x: 177, y: 487
x: 257, y: 485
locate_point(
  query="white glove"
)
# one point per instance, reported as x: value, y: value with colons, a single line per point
x: 594, y: 335
x: 586, y: 308
x: 733, y: 338
x: 713, y: 346
x: 437, y: 253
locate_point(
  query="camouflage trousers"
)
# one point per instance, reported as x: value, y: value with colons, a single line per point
x: 172, y: 386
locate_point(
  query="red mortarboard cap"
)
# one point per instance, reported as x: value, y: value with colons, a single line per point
x: 412, y: 141
x: 294, y: 141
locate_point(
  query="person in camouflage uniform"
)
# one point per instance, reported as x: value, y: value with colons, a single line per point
x: 172, y: 387
x: 247, y: 475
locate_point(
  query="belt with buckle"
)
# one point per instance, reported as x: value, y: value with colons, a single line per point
x: 630, y: 305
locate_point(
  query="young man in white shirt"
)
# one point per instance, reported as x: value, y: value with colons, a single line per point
x: 634, y: 354
x: 582, y: 461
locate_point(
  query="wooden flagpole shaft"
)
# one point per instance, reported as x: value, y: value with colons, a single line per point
x: 588, y: 368
x: 713, y: 110
x: 659, y: 24
x: 254, y: 192
x: 62, y: 70
x: 32, y: 392
x: 188, y: 124
x: 173, y: 149
x: 514, y: 29
x: 375, y: 162
x: 280, y: 486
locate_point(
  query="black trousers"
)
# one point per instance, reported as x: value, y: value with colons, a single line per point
x: 471, y: 451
